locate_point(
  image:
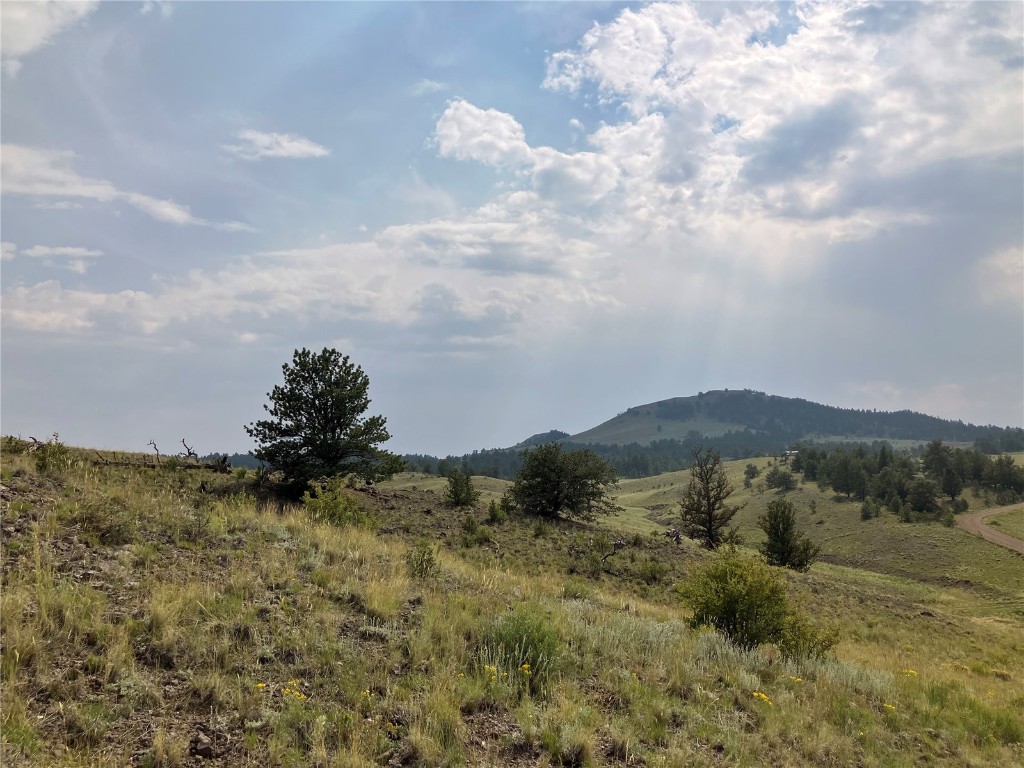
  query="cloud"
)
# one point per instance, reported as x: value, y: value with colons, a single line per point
x: 165, y: 8
x: 63, y: 251
x: 35, y: 172
x: 27, y: 26
x: 1000, y: 277
x: 425, y: 86
x: 8, y: 251
x: 260, y: 144
x: 59, y: 205
x: 73, y: 258
x: 467, y: 132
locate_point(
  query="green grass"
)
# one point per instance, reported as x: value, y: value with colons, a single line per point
x: 283, y: 641
x: 1011, y: 523
x: 643, y: 427
x: 927, y: 552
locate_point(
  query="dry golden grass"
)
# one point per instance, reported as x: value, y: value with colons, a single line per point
x: 144, y: 622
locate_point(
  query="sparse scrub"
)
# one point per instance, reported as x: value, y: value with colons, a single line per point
x: 299, y: 643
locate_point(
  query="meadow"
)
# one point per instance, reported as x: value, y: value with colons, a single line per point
x: 163, y: 617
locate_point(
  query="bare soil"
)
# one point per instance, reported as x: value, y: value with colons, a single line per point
x: 975, y: 523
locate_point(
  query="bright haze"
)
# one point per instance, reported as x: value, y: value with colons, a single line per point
x: 514, y: 217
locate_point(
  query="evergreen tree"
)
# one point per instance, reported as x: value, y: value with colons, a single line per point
x: 460, y: 491
x: 317, y: 428
x: 704, y: 515
x: 951, y: 483
x: 554, y: 483
x: 785, y: 546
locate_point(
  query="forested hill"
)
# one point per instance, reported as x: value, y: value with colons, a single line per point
x: 721, y: 411
x: 658, y: 437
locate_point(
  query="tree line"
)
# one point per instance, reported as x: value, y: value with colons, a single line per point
x: 879, y: 476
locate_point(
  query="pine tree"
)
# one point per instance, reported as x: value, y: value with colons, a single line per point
x: 785, y: 546
x: 704, y: 515
x: 317, y: 429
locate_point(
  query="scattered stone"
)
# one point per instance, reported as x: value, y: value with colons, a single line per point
x: 202, y: 746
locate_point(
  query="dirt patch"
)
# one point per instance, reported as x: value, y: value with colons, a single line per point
x: 975, y: 523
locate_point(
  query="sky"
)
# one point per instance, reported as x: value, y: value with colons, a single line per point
x: 515, y: 217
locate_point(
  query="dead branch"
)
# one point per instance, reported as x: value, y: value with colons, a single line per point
x: 617, y: 546
x: 189, y: 453
x: 153, y: 443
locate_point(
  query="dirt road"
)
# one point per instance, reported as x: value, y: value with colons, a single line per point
x: 975, y: 523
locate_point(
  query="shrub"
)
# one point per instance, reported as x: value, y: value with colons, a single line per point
x: 746, y: 601
x: 53, y: 456
x: 780, y: 478
x: 496, y: 514
x: 474, y: 534
x: 525, y: 642
x: 575, y: 589
x: 330, y: 503
x: 421, y: 561
x: 652, y: 571
x: 13, y: 445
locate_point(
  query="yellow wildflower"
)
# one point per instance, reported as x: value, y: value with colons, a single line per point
x: 890, y: 707
x: 763, y: 697
x: 910, y: 672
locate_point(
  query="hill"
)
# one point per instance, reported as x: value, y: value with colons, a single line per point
x: 782, y: 419
x: 157, y: 617
x: 651, y: 439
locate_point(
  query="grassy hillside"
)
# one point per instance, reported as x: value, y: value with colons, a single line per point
x: 927, y: 552
x: 1011, y: 522
x: 170, y: 617
x: 642, y: 425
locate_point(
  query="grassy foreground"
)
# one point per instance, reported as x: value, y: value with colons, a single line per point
x: 148, y: 622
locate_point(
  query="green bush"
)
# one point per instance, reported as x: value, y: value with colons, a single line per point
x: 53, y: 456
x: 421, y: 561
x: 496, y: 514
x: 652, y: 571
x: 331, y: 503
x: 524, y: 642
x: 746, y: 600
x: 575, y: 589
x: 12, y: 446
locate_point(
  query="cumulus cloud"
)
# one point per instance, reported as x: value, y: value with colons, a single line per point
x: 467, y: 132
x: 35, y: 172
x: 8, y: 251
x: 257, y: 145
x: 27, y: 26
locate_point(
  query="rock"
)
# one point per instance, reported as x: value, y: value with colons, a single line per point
x: 202, y: 746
